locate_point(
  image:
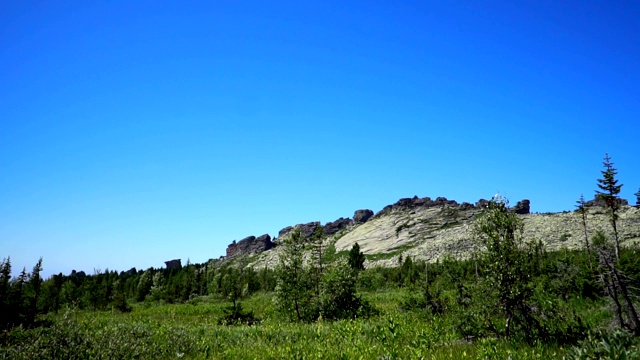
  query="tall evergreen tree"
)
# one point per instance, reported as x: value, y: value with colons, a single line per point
x: 609, y: 193
x: 637, y: 198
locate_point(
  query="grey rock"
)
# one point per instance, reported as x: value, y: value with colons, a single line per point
x: 466, y: 206
x: 333, y: 227
x: 305, y: 229
x: 522, y: 207
x: 173, y: 264
x: 361, y: 216
x: 250, y: 245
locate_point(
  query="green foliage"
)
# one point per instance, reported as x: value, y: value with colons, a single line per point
x: 499, y: 231
x: 338, y: 298
x: 615, y: 345
x: 236, y: 315
x: 610, y: 190
x: 295, y: 290
x: 356, y: 258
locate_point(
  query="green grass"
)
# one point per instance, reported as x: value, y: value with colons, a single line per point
x: 187, y: 331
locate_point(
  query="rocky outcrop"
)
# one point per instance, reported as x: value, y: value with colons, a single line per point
x: 482, y: 204
x: 305, y: 229
x: 77, y: 274
x: 466, y: 206
x: 332, y: 228
x: 129, y: 272
x: 361, y: 216
x: 522, y: 207
x: 173, y: 264
x: 416, y: 202
x: 598, y: 201
x: 250, y: 245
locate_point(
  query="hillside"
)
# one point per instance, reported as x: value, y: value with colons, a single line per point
x: 432, y: 229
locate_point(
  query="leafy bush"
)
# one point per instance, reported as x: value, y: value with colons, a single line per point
x: 615, y: 345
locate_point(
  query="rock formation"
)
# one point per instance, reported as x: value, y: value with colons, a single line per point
x: 361, y: 216
x: 305, y: 229
x: 332, y: 228
x: 250, y: 245
x: 173, y: 264
x: 597, y: 201
x: 522, y: 207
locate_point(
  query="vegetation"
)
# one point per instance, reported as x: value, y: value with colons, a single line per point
x: 610, y: 190
x: 511, y: 299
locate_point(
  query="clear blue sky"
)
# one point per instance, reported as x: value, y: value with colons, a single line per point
x: 136, y: 132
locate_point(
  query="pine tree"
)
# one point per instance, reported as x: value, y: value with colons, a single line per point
x: 356, y: 258
x: 5, y: 282
x: 609, y: 194
x: 582, y: 210
x: 637, y: 198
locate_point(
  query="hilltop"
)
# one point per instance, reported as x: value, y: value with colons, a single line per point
x: 433, y: 229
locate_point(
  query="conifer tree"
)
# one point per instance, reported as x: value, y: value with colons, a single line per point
x: 356, y: 258
x: 609, y: 194
x: 582, y: 210
x: 637, y: 198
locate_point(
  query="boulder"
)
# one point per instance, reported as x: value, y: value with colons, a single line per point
x: 361, y: 216
x: 522, y: 207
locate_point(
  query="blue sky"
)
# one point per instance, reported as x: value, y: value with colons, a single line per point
x: 136, y: 132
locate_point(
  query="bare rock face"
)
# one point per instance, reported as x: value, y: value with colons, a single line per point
x: 331, y: 228
x: 482, y: 204
x: 522, y: 207
x: 173, y: 264
x: 250, y: 245
x: 361, y: 216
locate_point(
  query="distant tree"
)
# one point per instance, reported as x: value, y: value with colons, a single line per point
x: 582, y: 210
x: 317, y: 257
x: 618, y: 286
x: 339, y: 298
x: 233, y: 286
x: 610, y: 190
x: 144, y: 284
x: 637, y: 198
x: 35, y: 284
x: 500, y: 232
x: 5, y: 282
x: 356, y: 258
x: 294, y: 290
x: 119, y: 298
x: 159, y: 288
